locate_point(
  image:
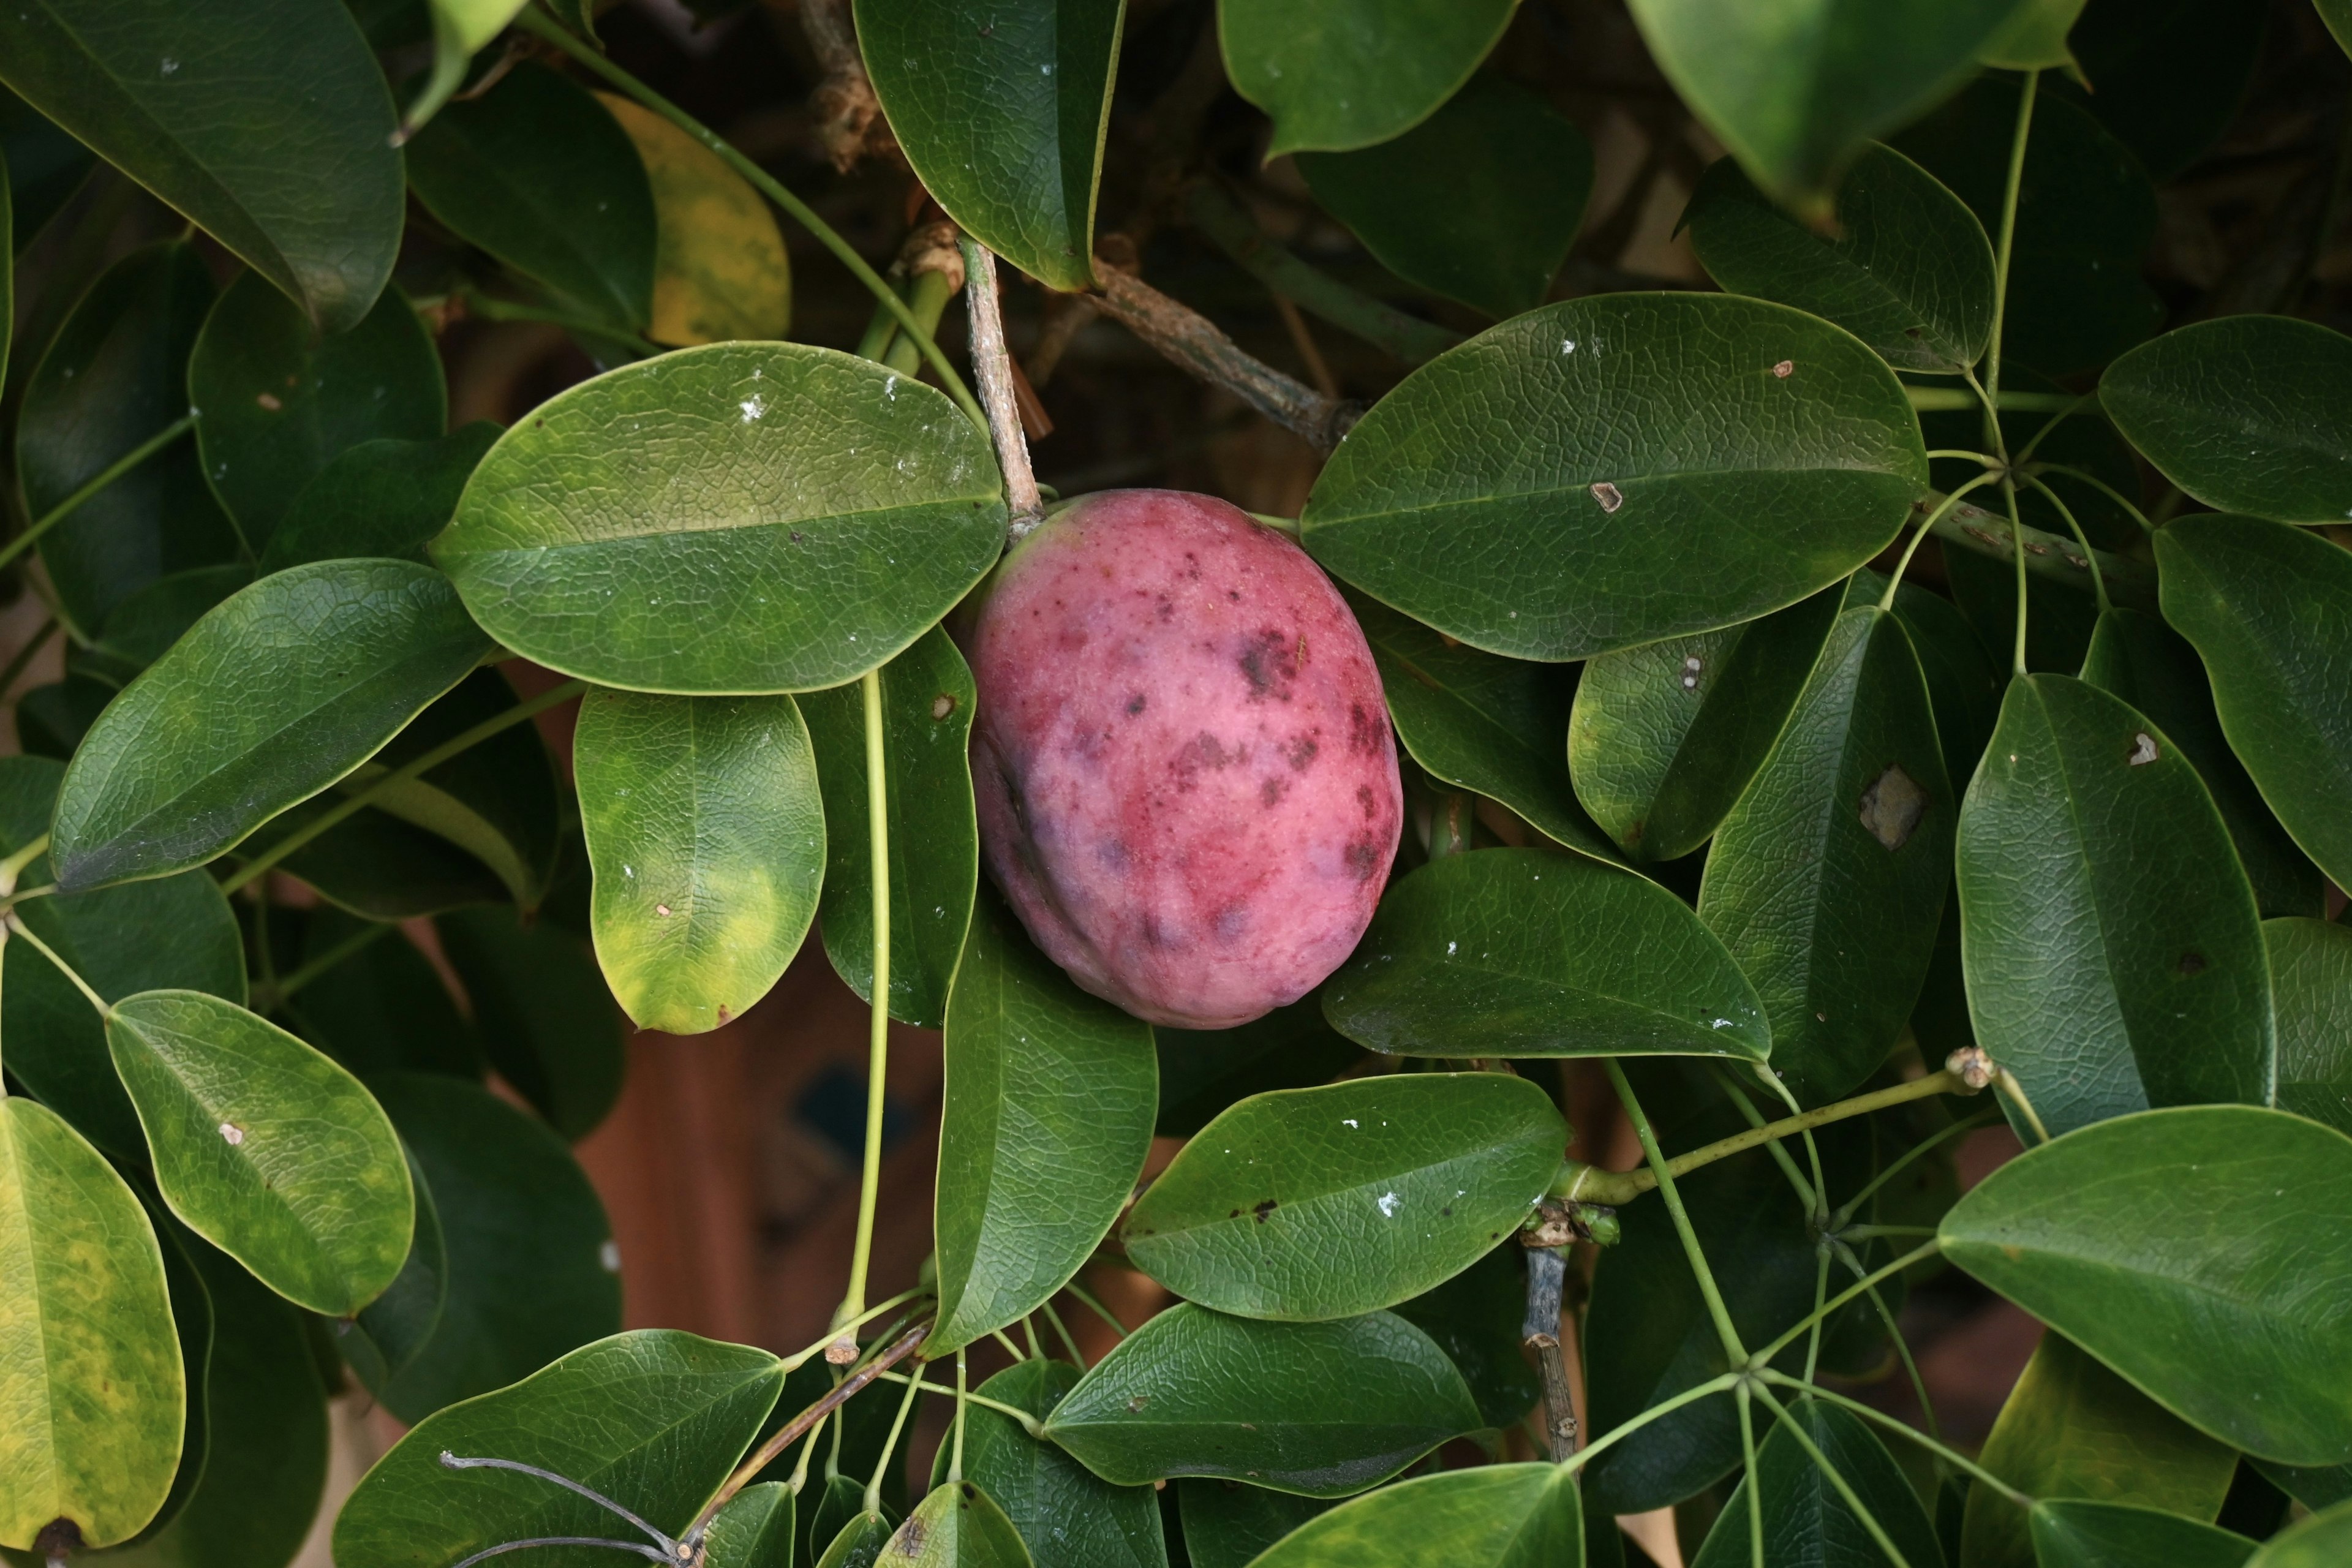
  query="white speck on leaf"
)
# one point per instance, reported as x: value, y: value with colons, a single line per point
x: 609, y: 1254
x: 2143, y: 750
x: 754, y: 407
x: 231, y: 1133
x: 1389, y: 1204
x: 1610, y: 497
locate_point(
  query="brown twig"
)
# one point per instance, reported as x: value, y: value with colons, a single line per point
x: 845, y: 115
x: 1190, y: 340
x: 1547, y: 1274
x: 993, y: 368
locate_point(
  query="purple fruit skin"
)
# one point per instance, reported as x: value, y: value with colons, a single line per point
x: 1187, y: 786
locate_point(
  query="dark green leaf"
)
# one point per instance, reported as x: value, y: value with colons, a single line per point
x: 1477, y: 203
x: 192, y: 1322
x: 865, y: 1428
x: 2073, y: 1533
x: 1067, y: 1517
x: 276, y: 402
x: 52, y: 720
x: 655, y: 529
x: 2059, y: 621
x: 547, y: 1022
x: 45, y: 167
x: 1325, y: 1203
x: 958, y: 1526
x: 2035, y: 38
x: 1508, y: 1516
x: 1045, y: 1128
x: 93, y: 1394
x: 857, y: 1543
x: 2134, y: 1238
x: 1341, y: 74
x: 2112, y: 952
x: 754, y: 1530
x: 721, y: 269
x: 272, y: 698
x: 538, y: 174
x: 266, y: 1147
x: 386, y: 1336
x: 1565, y: 483
x: 2311, y: 990
x: 114, y: 375
x: 1805, y: 1516
x: 2315, y: 1542
x: 291, y: 166
x: 2269, y: 610
x: 1517, y: 953
x: 2170, y: 76
x: 145, y: 625
x: 1962, y: 680
x: 1664, y: 736
x: 378, y: 867
x: 1227, y: 1524
x: 653, y: 1420
x: 1827, y: 880
x: 382, y: 1008
x: 1905, y: 266
x: 927, y: 708
x: 2314, y: 1488
x: 383, y: 497
x: 1195, y: 1393
x: 1475, y: 1317
x: 1203, y: 1071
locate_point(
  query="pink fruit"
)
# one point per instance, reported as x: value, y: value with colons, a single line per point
x: 1187, y: 787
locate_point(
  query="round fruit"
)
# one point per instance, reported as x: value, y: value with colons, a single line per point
x: 1187, y: 786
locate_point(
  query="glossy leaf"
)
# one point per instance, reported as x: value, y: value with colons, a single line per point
x: 1519, y: 492
x: 1477, y: 203
x: 171, y: 932
x: 1488, y: 724
x: 2316, y: 1487
x: 383, y: 496
x: 532, y: 1272
x: 740, y: 518
x: 91, y: 1386
x: 2310, y: 989
x: 1227, y: 1524
x: 166, y: 91
x: 1195, y: 1393
x: 2072, y: 1534
x: 384, y: 1338
x: 1664, y: 736
x: 1805, y: 1516
x: 378, y: 867
x: 721, y: 269
x: 653, y: 1420
x: 927, y: 708
x: 114, y: 375
x: 708, y: 840
x: 1508, y: 1516
x: 1962, y: 680
x: 1336, y: 75
x: 1794, y: 90
x: 1827, y: 881
x: 1324, y: 1203
x: 1906, y: 267
x: 536, y: 172
x: 1203, y: 1071
x: 266, y: 1147
x: 2270, y: 611
x: 192, y: 1323
x: 547, y: 1021
x: 1045, y: 1123
x: 1477, y: 1318
x: 247, y: 715
x: 2112, y: 952
x: 858, y: 1542
x: 957, y: 1526
x: 2315, y: 1543
x: 1517, y: 953
x: 2035, y: 38
x: 2130, y: 1239
x: 2071, y: 1428
x: 1065, y: 1515
x: 144, y: 626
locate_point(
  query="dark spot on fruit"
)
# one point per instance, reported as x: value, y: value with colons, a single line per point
x: 1232, y: 920
x: 1135, y: 705
x: 1202, y: 751
x: 1271, y: 792
x: 1264, y: 1210
x: 2193, y: 963
x: 1299, y: 752
x: 1234, y: 594
x: 1270, y: 666
x: 1367, y: 800
x: 1364, y: 731
x: 1113, y: 855
x: 1364, y: 859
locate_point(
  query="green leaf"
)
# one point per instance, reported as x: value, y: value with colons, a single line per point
x: 1567, y: 483
x: 44, y: 165
x: 2337, y: 14
x: 546, y: 1019
x: 1488, y: 724
x: 1066, y: 1515
x: 2315, y: 1543
x: 1664, y: 736
x: 858, y: 1542
x: 145, y: 625
x: 7, y: 271
x: 1196, y: 1393
x: 276, y: 402
x: 2141, y: 660
x: 272, y: 698
x: 171, y: 932
x: 736, y: 519
x: 378, y: 867
x: 1475, y: 1317
x: 2170, y: 76
x: 115, y: 375
x: 1905, y: 266
x: 1795, y: 90
x: 1203, y: 1071
x: 266, y: 1147
x: 1325, y: 1203
x: 2311, y: 991
x: 2132, y: 1238
x: 1336, y: 75
x: 754, y: 1530
x: 957, y: 1526
x: 1045, y: 1124
x: 2072, y: 1428
x: 653, y: 1420
x: 2316, y: 1489
x: 538, y: 174
x: 927, y: 708
x: 721, y: 269
x: 91, y: 1388
x: 1517, y: 953
x: 2112, y: 953
x: 1227, y: 1524
x: 532, y: 1272
x: 2035, y: 38
x: 2073, y: 1533
x: 2059, y: 620
x: 2085, y: 211
x: 459, y: 27
x: 708, y: 840
x: 52, y: 720
x: 1476, y: 204
x: 1962, y: 680
x: 2267, y: 608
x: 383, y: 497
x: 2238, y: 412
x: 1508, y: 1516
x: 1827, y: 880
x: 193, y: 1324
x: 291, y: 166
x: 1002, y: 114
x: 1800, y: 1505
x: 385, y: 1337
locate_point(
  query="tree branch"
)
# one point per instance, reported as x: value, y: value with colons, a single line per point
x: 1190, y: 340
x: 992, y: 366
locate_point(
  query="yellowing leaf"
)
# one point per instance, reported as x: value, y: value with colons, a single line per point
x: 720, y: 266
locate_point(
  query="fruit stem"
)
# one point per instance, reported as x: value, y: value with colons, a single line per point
x: 992, y: 366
